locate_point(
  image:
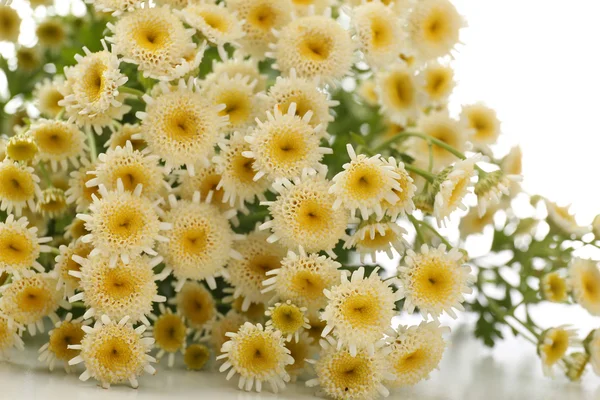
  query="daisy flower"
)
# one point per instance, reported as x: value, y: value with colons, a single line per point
x: 196, y: 305
x: 126, y: 133
x: 367, y: 90
x: 235, y: 96
x: 553, y: 346
x: 19, y: 187
x: 315, y: 46
x: 260, y: 18
x: 564, y: 220
x: 247, y: 273
x: 58, y: 142
x: 196, y: 356
x: 364, y: 183
x: 483, y: 122
x: 304, y: 215
x: 285, y: 145
x: 343, y: 375
x: 180, y: 125
x: 371, y: 237
x: 258, y: 355
x: 9, y: 336
x: 379, y: 33
x: 307, y: 96
x: 65, y: 265
x: 65, y: 333
x: 399, y: 92
x: 554, y: 287
x: 416, y: 351
x: 47, y: 94
x: 438, y: 82
x: 289, y: 319
x: 116, y: 7
x: 75, y: 229
x: 22, y: 148
x: 231, y: 322
x: 237, y: 176
x: 359, y: 311
x: 205, y: 181
x: 592, y: 347
x: 584, y: 283
x: 114, y: 352
x: 301, y: 351
x: 237, y: 64
x: 170, y: 333
x: 491, y: 187
x: 119, y: 290
x: 79, y: 193
x: 454, y: 185
x: 132, y: 168
x: 26, y: 301
x: 154, y: 39
x: 28, y: 58
x: 433, y: 28
x: 405, y: 203
x: 434, y: 281
x: 53, y: 203
x: 51, y: 33
x: 215, y: 23
x: 302, y: 277
x: 91, y: 90
x: 11, y: 24
x: 21, y: 247
x: 200, y: 242
x: 512, y: 164
x: 122, y: 224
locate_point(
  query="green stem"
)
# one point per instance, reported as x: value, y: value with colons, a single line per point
x: 60, y: 114
x: 427, y: 175
x: 128, y: 90
x: 435, y: 232
x: 92, y: 145
x: 415, y: 223
x: 54, y: 250
x: 45, y: 174
x: 510, y: 313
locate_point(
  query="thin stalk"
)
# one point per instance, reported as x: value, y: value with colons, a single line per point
x: 427, y: 175
x: 92, y: 145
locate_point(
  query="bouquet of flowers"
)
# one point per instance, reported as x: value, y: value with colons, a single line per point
x: 261, y: 184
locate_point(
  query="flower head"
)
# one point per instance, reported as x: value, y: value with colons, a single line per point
x: 196, y: 356
x: 236, y: 99
x: 205, y: 181
x: 58, y: 142
x: 553, y: 346
x: 289, y: 319
x: 11, y: 23
x: 79, y: 192
x: 126, y: 133
x: 491, y: 187
x: 65, y: 264
x: 231, y: 322
x: 170, y: 333
x: 438, y: 82
x: 405, y: 192
x: 47, y: 95
x: 51, y: 33
x: 399, y: 93
x: 483, y: 122
x: 196, y: 305
x: 563, y: 219
x: 9, y: 336
x: 258, y: 355
x: 434, y: 281
x: 22, y: 148
x: 19, y: 187
x: 52, y: 203
x: 584, y: 282
x: 371, y: 237
x: 65, y: 333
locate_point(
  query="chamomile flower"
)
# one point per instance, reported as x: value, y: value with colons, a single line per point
x: 260, y: 18
x: 230, y: 322
x: 315, y: 46
x: 116, y: 7
x: 344, y: 375
x: 58, y: 142
x: 196, y: 356
x: 9, y: 336
x: 406, y: 193
x: 199, y: 243
x: 416, y: 351
x: 399, y: 92
x: 584, y: 283
x: 19, y: 187
x: 285, y: 145
x: 22, y: 148
x: 180, y: 125
x: 11, y: 23
x: 205, y: 180
x: 434, y: 281
x: 302, y: 277
x: 53, y: 203
x: 237, y: 64
x: 512, y: 164
x: 47, y: 95
x: 65, y: 333
x: 359, y: 311
x: 364, y: 183
x: 114, y: 352
x: 91, y: 90
x: 455, y: 183
x: 235, y: 96
x: 21, y: 247
x: 438, y: 82
x: 132, y: 168
x: 439, y: 125
x: 433, y: 28
x: 79, y: 193
x: 367, y: 90
x: 554, y: 287
x: 215, y: 23
x: 592, y: 347
x: 28, y: 300
x: 258, y: 355
x: 119, y: 290
x: 170, y: 333
x: 126, y: 133
x: 553, y: 346
x: 483, y: 122
x: 371, y: 237
x: 289, y: 319
x: 247, y: 273
x: 153, y: 38
x: 564, y: 220
x: 122, y: 225
x: 304, y: 215
x: 576, y: 364
x: 75, y: 229
x: 28, y: 58
x: 51, y: 33
x: 196, y: 304
x: 491, y: 187
x: 65, y: 265
x: 237, y: 173
x: 307, y: 96
x: 379, y: 32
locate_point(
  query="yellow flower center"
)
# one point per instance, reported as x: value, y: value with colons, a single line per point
x: 437, y: 83
x: 61, y: 337
x: 361, y: 310
x: 15, y: 249
x: 125, y: 223
x: 94, y: 81
x: 482, y: 125
x: 287, y: 318
x: 350, y: 373
x: 182, y: 124
x: 299, y: 352
x: 210, y: 183
x: 591, y: 287
x: 16, y: 184
x: 33, y: 299
x: 197, y: 307
x: 378, y: 241
x: 364, y: 181
x: 287, y: 147
x: 312, y: 215
x: 196, y: 356
x: 401, y: 90
x: 237, y: 105
x: 150, y: 36
x: 410, y: 362
x: 21, y: 150
x: 257, y: 354
x: 52, y: 140
x: 309, y: 284
x: 315, y: 47
x: 381, y: 33
x: 559, y: 345
x: 169, y: 332
x: 445, y: 134
x: 131, y: 175
x: 436, y: 26
x: 215, y: 21
x: 555, y: 287
x: 194, y: 240
x: 263, y: 263
x: 262, y: 17
x: 433, y: 281
x: 303, y: 104
x: 459, y: 190
x: 242, y: 168
x: 115, y: 354
x: 118, y: 283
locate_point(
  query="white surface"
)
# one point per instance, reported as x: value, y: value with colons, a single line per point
x: 469, y: 371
